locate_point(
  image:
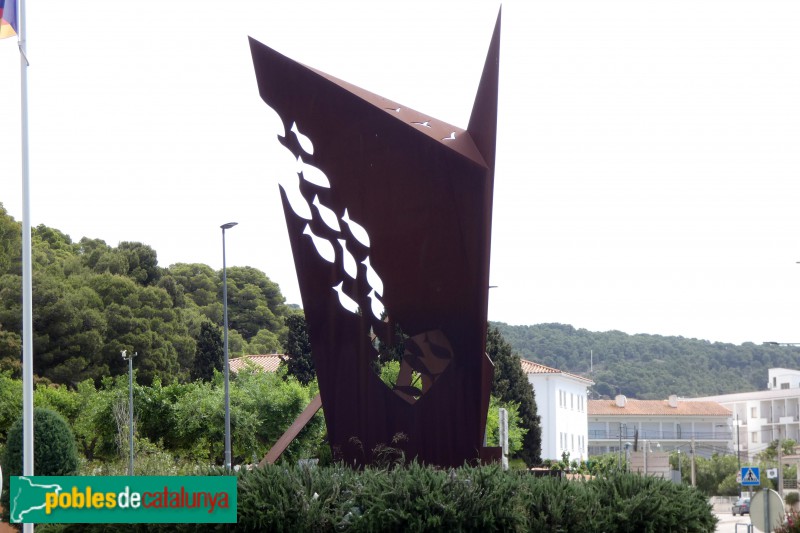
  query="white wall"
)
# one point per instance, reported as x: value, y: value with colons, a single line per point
x: 562, y: 405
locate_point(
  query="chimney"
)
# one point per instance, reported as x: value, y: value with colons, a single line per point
x: 673, y: 400
x: 621, y: 400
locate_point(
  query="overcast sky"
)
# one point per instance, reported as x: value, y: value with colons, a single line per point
x: 648, y: 151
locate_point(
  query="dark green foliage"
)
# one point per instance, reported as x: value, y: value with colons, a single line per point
x: 92, y: 300
x: 299, y: 364
x: 511, y: 385
x: 649, y: 367
x: 54, y: 452
x: 415, y: 498
x: 209, y: 354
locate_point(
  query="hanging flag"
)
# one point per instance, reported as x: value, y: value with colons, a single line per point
x: 8, y: 18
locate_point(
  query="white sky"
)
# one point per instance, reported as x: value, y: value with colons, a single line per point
x: 648, y: 151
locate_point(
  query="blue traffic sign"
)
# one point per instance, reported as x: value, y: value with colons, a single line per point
x: 751, y: 475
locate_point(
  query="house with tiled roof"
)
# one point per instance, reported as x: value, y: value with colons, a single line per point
x: 672, y: 424
x: 561, y: 401
x: 267, y: 363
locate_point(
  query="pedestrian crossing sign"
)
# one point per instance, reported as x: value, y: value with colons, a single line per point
x: 751, y: 475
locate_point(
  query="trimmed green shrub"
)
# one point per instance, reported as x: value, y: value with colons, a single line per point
x: 416, y: 498
x: 54, y: 451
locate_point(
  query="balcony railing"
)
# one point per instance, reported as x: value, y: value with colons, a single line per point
x: 600, y: 434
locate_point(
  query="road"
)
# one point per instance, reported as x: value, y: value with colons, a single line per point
x: 727, y: 523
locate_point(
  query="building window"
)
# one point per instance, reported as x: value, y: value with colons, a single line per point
x: 571, y: 401
x: 754, y: 437
x: 754, y: 412
x: 784, y: 385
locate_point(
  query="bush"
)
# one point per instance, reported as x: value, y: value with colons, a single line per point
x: 417, y: 498
x: 54, y: 452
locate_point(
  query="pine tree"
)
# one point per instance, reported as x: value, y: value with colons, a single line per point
x: 511, y: 385
x: 299, y: 362
x: 209, y: 354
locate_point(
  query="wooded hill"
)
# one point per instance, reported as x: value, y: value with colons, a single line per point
x: 92, y: 300
x: 649, y: 367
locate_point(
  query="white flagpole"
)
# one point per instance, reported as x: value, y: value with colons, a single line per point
x: 27, y: 279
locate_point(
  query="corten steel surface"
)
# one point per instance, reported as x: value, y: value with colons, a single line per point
x: 389, y: 218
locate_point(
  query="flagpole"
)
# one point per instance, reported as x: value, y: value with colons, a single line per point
x: 27, y: 278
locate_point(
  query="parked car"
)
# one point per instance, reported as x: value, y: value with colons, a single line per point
x: 742, y: 507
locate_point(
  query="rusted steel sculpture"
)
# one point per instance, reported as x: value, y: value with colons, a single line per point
x: 389, y: 218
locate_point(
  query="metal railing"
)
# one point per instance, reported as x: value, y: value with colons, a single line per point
x: 601, y: 434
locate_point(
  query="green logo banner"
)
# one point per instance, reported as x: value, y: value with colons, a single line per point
x: 122, y: 499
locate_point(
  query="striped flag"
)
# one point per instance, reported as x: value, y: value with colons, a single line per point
x: 8, y: 18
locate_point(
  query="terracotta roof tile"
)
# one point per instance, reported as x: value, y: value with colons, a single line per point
x: 529, y: 367
x: 656, y: 407
x: 268, y: 363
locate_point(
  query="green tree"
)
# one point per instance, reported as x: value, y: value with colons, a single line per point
x: 54, y: 450
x: 209, y: 354
x: 516, y: 433
x: 142, y: 262
x: 10, y: 243
x: 299, y: 362
x: 254, y: 302
x: 510, y: 385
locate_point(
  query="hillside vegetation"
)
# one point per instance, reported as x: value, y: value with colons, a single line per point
x: 91, y: 300
x: 649, y: 367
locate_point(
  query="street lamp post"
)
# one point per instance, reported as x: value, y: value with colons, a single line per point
x: 229, y: 225
x: 129, y: 359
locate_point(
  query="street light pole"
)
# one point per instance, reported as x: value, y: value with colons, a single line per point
x: 738, y: 451
x: 129, y: 359
x: 229, y: 225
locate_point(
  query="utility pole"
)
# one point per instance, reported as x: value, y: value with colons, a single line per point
x: 694, y: 481
x: 738, y: 452
x: 780, y: 465
x: 129, y: 359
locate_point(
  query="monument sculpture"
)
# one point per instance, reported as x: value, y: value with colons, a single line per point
x: 389, y: 219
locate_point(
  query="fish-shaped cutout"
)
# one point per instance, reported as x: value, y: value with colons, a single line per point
x: 323, y: 246
x: 348, y: 261
x: 347, y: 302
x: 377, y: 306
x: 328, y: 216
x: 357, y: 230
x: 305, y: 142
x: 312, y: 174
x: 373, y: 278
x: 297, y: 202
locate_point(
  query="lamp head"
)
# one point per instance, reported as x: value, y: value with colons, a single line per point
x: 229, y: 225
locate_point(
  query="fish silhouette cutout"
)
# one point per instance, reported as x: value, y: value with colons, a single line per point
x: 348, y: 261
x: 356, y: 229
x: 373, y: 278
x: 305, y: 142
x: 323, y: 246
x: 296, y: 200
x: 347, y: 302
x: 328, y: 215
x: 312, y: 174
x: 377, y: 306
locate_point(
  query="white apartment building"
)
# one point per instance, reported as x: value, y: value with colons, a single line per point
x: 561, y: 400
x: 764, y: 416
x: 663, y: 425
